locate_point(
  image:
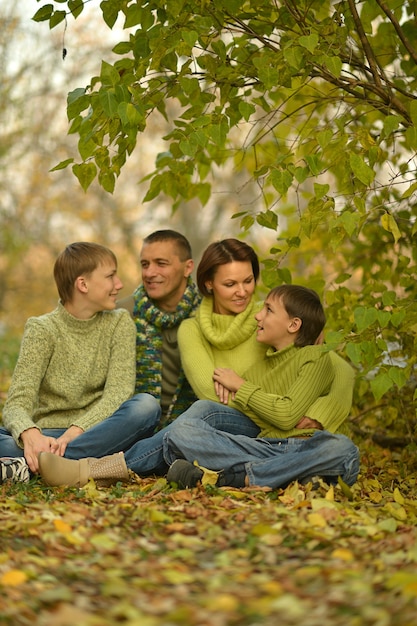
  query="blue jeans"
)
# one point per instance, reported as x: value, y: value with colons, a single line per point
x: 134, y: 419
x: 146, y: 457
x: 267, y: 462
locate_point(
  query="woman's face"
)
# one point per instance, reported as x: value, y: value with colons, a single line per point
x: 232, y: 287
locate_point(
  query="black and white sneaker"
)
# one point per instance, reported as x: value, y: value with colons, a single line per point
x: 14, y: 469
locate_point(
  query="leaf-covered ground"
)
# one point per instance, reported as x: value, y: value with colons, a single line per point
x: 145, y: 554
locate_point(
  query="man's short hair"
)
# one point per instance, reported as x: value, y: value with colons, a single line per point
x: 182, y: 243
x: 78, y: 259
x: 304, y: 303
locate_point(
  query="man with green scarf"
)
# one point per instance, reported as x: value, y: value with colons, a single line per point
x: 166, y: 296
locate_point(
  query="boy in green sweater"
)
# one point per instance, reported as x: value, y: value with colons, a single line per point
x: 75, y: 372
x: 275, y: 394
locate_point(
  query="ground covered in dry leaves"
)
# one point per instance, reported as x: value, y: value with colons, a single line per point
x: 145, y: 554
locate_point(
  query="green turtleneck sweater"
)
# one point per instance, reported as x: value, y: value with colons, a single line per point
x: 211, y: 340
x: 281, y: 389
x: 71, y: 371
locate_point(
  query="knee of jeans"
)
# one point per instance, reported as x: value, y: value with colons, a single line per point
x: 146, y: 404
x: 177, y: 428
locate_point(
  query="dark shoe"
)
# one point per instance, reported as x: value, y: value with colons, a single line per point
x: 314, y: 480
x: 14, y: 469
x: 184, y: 474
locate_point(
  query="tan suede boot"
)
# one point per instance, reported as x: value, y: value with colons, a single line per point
x: 57, y: 471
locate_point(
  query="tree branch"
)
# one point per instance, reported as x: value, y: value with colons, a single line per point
x: 373, y: 64
x: 404, y: 40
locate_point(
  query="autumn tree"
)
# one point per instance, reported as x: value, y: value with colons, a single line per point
x: 313, y: 103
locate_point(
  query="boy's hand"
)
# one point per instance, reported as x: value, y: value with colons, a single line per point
x: 71, y: 433
x: 228, y: 378
x: 35, y: 442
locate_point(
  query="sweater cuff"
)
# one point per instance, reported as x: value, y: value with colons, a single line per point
x: 245, y: 392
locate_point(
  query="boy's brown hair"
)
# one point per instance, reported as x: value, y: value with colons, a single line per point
x: 305, y: 304
x: 78, y: 259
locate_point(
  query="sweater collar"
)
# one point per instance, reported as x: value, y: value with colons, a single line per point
x: 226, y: 331
x: 280, y: 355
x: 75, y: 322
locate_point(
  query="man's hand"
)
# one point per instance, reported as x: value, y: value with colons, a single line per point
x: 71, y: 433
x: 34, y: 443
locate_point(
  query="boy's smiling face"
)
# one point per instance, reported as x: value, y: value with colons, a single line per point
x: 275, y: 327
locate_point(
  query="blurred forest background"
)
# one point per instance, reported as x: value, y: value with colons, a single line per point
x: 41, y: 211
x: 321, y: 180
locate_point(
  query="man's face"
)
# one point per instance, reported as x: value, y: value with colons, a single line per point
x: 164, y: 275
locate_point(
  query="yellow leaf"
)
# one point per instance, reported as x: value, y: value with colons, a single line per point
x: 224, y: 602
x: 158, y: 516
x: 398, y: 512
x: 398, y: 497
x: 343, y: 554
x: 61, y: 526
x: 272, y: 587
x: 315, y: 519
x: 209, y: 477
x: 330, y: 493
x: 375, y: 496
x: 13, y: 578
x: 405, y: 581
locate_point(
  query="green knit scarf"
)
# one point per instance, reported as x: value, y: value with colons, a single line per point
x: 150, y: 321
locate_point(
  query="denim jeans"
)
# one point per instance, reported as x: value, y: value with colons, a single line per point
x: 266, y: 462
x: 146, y: 457
x: 134, y: 419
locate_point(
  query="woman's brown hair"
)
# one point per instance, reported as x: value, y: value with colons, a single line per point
x: 220, y: 253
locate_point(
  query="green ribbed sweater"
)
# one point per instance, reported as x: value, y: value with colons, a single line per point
x: 280, y: 390
x: 211, y: 340
x: 71, y: 371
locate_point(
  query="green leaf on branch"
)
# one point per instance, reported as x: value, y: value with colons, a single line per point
x: 56, y: 18
x: 62, y: 165
x: 334, y: 65
x: 281, y: 180
x: 309, y: 41
x: 85, y: 172
x: 360, y: 169
x: 390, y: 225
x: 380, y: 385
x: 44, y: 13
x: 268, y: 219
x: 365, y: 317
x: 399, y: 376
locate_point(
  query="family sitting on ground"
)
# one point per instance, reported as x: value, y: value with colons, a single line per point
x: 178, y: 379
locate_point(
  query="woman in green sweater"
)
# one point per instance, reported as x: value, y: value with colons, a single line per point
x: 75, y: 370
x: 276, y: 394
